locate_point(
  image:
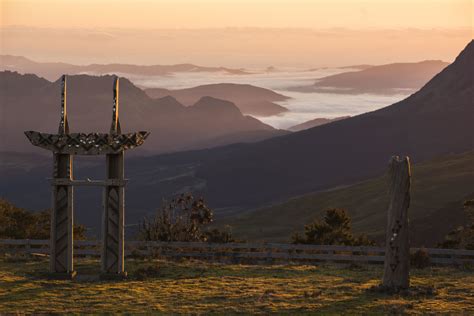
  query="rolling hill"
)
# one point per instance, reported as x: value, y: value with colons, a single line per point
x: 439, y: 188
x: 249, y: 99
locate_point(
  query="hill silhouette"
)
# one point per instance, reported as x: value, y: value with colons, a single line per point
x: 249, y: 99
x: 383, y: 79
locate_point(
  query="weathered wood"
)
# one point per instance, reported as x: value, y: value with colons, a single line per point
x: 64, y: 145
x: 397, y: 253
x: 108, y: 182
x: 87, y: 143
x: 113, y: 249
x: 62, y: 218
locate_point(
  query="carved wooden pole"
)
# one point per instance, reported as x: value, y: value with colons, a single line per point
x: 397, y: 253
x: 62, y: 222
x: 114, y: 217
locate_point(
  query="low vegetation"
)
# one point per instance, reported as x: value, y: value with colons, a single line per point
x: 334, y: 229
x: 185, y: 218
x: 194, y: 287
x: 18, y: 223
x: 463, y: 236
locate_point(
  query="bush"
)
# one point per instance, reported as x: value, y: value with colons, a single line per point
x: 18, y: 223
x: 462, y: 237
x: 219, y: 236
x: 420, y: 259
x: 335, y: 229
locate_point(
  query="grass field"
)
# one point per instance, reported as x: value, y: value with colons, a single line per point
x: 194, y: 287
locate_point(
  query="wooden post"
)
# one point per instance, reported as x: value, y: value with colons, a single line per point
x: 113, y: 225
x: 397, y: 253
x: 114, y: 210
x: 62, y: 213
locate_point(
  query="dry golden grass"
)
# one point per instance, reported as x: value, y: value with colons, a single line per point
x: 203, y: 288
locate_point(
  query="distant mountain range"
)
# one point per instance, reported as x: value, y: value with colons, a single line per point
x: 32, y: 103
x: 315, y: 122
x: 359, y: 67
x: 249, y: 99
x: 383, y: 79
x: 52, y: 70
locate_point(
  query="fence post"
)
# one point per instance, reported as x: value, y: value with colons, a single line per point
x: 397, y: 253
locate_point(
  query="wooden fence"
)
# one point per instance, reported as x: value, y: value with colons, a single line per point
x: 243, y: 252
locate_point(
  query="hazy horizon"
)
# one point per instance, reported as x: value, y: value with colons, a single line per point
x: 239, y: 34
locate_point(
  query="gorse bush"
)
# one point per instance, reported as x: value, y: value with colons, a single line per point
x: 334, y: 229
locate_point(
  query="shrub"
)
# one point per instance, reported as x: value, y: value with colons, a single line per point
x: 462, y: 237
x: 18, y: 223
x: 335, y: 229
x: 420, y: 259
x: 219, y: 236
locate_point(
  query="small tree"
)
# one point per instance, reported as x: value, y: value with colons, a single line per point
x: 335, y: 229
x: 179, y: 220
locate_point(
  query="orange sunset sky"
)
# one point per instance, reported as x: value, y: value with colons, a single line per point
x: 236, y: 32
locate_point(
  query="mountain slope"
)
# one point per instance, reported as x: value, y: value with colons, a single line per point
x: 314, y: 123
x: 172, y: 125
x: 438, y: 190
x: 249, y: 99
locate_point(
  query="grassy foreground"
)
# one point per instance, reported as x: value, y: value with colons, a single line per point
x: 203, y: 288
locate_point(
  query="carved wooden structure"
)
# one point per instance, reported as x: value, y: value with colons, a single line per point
x: 397, y: 253
x: 64, y: 145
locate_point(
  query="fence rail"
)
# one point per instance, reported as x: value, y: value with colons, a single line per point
x: 242, y: 252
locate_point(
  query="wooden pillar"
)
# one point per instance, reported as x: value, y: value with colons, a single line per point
x: 397, y: 253
x: 62, y: 215
x: 113, y: 219
x: 62, y: 222
x: 114, y: 209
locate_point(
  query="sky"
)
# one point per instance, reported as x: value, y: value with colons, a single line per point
x: 239, y: 13
x: 237, y: 33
